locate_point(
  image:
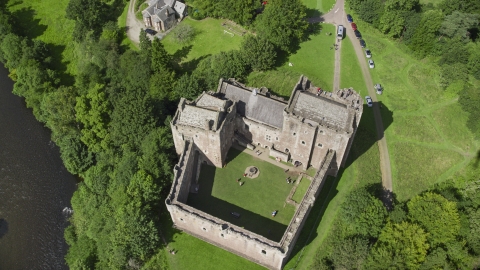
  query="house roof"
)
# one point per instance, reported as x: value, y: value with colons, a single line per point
x: 160, y: 10
x: 321, y: 110
x: 255, y: 106
x: 179, y: 7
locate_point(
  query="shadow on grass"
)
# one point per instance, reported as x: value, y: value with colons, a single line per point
x: 366, y: 135
x: 191, y: 65
x: 181, y: 53
x: 309, y: 231
x: 25, y: 23
x: 251, y: 221
x: 311, y: 12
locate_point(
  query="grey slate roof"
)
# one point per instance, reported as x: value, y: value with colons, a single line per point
x: 321, y: 110
x: 208, y: 101
x: 196, y: 117
x: 158, y: 10
x: 255, y: 107
x: 179, y: 7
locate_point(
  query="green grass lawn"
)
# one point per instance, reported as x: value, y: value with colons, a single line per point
x: 301, y: 190
x: 45, y: 20
x: 313, y: 6
x: 314, y: 59
x: 220, y: 194
x: 350, y: 73
x: 209, y: 40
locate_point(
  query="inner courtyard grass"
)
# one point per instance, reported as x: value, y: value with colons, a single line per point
x: 301, y: 190
x: 220, y: 194
x: 314, y: 59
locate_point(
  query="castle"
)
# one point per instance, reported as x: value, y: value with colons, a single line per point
x: 314, y: 128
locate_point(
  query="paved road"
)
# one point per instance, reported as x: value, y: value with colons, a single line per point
x: 134, y: 26
x: 337, y: 16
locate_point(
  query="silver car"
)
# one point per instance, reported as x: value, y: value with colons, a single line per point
x: 369, y: 101
x: 371, y: 64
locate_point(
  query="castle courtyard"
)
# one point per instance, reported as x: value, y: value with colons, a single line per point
x: 220, y: 194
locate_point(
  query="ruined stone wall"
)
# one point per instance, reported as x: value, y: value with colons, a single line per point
x: 298, y: 221
x: 329, y: 139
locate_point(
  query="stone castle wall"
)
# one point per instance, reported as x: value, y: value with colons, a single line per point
x: 244, y: 243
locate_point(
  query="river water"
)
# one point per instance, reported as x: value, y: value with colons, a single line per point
x: 34, y: 189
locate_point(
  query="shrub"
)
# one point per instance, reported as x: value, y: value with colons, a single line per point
x: 183, y: 33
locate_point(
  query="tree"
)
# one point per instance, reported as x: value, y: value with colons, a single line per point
x: 400, y: 246
x: 283, y: 23
x: 363, y: 213
x: 161, y: 59
x: 89, y: 15
x: 92, y: 110
x: 393, y: 19
x: 473, y: 239
x: 423, y: 40
x: 447, y: 6
x: 350, y: 253
x: 370, y: 11
x: 258, y: 53
x: 457, y: 24
x: 12, y: 51
x: 437, y: 215
x: 183, y: 33
x: 473, y: 63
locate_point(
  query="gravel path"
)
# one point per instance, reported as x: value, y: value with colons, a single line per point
x: 133, y: 26
x: 337, y: 16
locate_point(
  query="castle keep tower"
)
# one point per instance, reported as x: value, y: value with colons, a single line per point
x: 313, y: 128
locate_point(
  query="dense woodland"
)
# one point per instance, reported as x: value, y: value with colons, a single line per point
x: 110, y: 121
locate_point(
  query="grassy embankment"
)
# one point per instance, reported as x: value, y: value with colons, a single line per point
x: 426, y: 132
x: 314, y: 59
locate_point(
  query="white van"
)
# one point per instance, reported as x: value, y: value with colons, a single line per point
x: 340, y: 31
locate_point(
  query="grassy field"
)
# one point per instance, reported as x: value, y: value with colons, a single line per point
x: 314, y: 59
x: 426, y: 132
x: 209, y: 40
x: 220, y: 194
x: 45, y: 20
x: 316, y: 6
x: 351, y: 75
x: 301, y: 190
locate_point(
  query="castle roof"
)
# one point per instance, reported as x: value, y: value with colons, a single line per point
x: 198, y: 117
x: 255, y: 106
x: 321, y: 110
x: 210, y: 102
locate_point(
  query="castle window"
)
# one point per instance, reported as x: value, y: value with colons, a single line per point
x: 246, y: 127
x: 320, y: 145
x: 204, y: 229
x: 264, y: 252
x: 267, y: 137
x: 305, y: 132
x: 276, y: 138
x: 222, y: 235
x: 321, y: 131
x: 181, y: 219
x: 303, y: 142
x: 196, y: 136
x: 294, y: 134
x: 287, y: 150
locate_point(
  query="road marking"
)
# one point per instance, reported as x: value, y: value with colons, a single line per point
x: 336, y: 10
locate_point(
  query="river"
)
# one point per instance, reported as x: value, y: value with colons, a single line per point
x: 34, y: 188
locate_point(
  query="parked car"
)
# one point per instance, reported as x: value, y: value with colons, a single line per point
x: 354, y: 26
x: 371, y: 64
x: 349, y: 18
x: 379, y: 88
x: 357, y: 34
x: 369, y: 101
x: 340, y: 31
x: 150, y: 31
x: 368, y: 53
x: 362, y: 43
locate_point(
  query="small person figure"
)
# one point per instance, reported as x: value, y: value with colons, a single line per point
x: 240, y: 183
x: 238, y: 180
x: 244, y: 175
x: 274, y: 213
